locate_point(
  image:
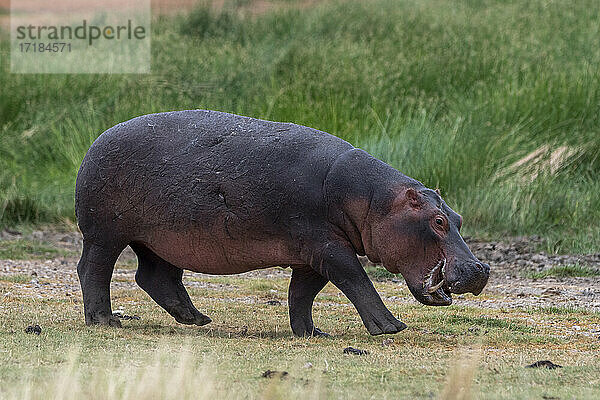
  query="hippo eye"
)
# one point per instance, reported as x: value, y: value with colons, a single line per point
x: 439, y: 221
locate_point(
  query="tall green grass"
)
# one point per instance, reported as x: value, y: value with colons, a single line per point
x: 453, y: 93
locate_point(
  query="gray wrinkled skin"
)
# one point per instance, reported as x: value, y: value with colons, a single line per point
x: 223, y: 194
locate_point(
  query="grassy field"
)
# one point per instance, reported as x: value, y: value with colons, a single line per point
x: 494, y: 102
x: 451, y: 353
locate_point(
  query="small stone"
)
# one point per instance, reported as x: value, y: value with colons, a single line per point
x: 33, y: 329
x: 308, y: 365
x: 275, y: 374
x: 273, y: 302
x: 588, y: 292
x: 387, y: 342
x: 496, y: 255
x: 66, y: 239
x: 119, y: 314
x: 38, y: 235
x: 543, y: 364
x: 356, y: 352
x: 551, y: 292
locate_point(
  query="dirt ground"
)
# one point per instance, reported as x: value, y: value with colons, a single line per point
x: 509, y: 286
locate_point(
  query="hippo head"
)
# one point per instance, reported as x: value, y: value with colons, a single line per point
x: 419, y: 238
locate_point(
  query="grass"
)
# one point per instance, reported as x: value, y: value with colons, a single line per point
x: 494, y: 102
x: 16, y: 278
x: 25, y: 249
x: 445, y: 352
x: 569, y: 310
x: 475, y: 98
x: 566, y: 271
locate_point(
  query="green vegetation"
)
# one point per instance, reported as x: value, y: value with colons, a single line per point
x: 565, y: 271
x: 494, y: 102
x: 445, y: 350
x: 574, y: 312
x: 377, y: 272
x: 23, y: 249
x: 16, y: 278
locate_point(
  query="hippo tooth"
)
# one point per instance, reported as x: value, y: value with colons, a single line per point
x: 433, y: 289
x: 428, y: 282
x: 444, y: 270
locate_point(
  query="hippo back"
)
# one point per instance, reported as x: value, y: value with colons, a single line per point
x: 204, y: 171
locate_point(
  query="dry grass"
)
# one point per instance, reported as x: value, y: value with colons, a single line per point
x: 543, y: 160
x: 455, y: 352
x: 460, y: 378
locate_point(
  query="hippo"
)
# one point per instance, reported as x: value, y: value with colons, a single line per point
x: 219, y: 193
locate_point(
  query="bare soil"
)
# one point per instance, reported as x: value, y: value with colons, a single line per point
x: 512, y: 261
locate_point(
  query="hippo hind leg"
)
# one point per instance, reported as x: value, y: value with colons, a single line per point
x: 162, y: 281
x: 305, y: 284
x: 95, y: 270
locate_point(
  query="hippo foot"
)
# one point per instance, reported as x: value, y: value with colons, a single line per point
x: 389, y: 325
x: 309, y: 332
x: 196, y: 319
x: 103, y: 320
x: 316, y: 332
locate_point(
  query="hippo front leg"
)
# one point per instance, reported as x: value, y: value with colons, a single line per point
x: 338, y: 262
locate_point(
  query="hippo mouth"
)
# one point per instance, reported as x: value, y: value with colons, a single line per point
x: 436, y: 291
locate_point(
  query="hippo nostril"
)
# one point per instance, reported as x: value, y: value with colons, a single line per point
x: 486, y: 268
x: 483, y: 267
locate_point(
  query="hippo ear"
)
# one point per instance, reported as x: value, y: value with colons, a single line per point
x: 414, y: 198
x: 438, y: 192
